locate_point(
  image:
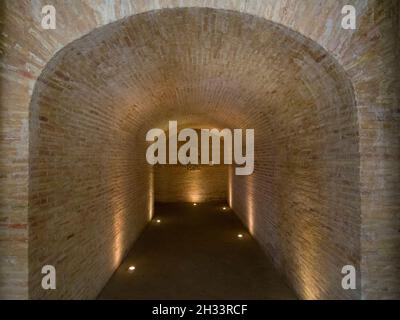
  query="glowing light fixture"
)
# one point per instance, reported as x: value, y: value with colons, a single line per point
x: 240, y: 236
x: 132, y: 268
x: 194, y: 204
x: 158, y: 221
x: 224, y: 208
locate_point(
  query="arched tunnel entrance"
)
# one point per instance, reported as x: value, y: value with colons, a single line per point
x: 92, y: 193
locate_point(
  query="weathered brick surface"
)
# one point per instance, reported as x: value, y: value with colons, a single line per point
x: 325, y: 191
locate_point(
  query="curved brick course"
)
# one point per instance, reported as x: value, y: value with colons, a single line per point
x: 323, y: 101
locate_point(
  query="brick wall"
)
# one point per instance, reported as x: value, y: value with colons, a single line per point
x: 192, y: 183
x: 177, y: 183
x: 91, y: 192
x: 88, y: 112
x: 305, y: 192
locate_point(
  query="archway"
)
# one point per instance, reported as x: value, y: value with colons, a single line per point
x: 97, y: 97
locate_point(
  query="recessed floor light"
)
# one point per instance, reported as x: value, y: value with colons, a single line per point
x: 132, y: 268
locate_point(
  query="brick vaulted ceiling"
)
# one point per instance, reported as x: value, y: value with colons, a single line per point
x: 196, y: 65
x: 305, y: 86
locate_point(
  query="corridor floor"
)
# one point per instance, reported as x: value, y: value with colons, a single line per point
x: 194, y: 252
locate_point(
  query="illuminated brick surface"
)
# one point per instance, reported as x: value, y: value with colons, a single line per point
x: 76, y: 192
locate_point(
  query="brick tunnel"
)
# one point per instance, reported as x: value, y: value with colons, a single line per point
x: 78, y: 194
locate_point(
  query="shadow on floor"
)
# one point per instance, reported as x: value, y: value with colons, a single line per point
x: 195, y: 253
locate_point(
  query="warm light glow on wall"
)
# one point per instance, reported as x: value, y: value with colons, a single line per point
x: 250, y: 204
x: 310, y: 271
x: 195, y: 191
x: 230, y: 185
x: 151, y: 194
x: 250, y: 207
x: 309, y: 288
x: 117, y: 222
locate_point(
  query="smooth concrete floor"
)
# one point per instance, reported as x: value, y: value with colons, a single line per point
x: 195, y: 253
